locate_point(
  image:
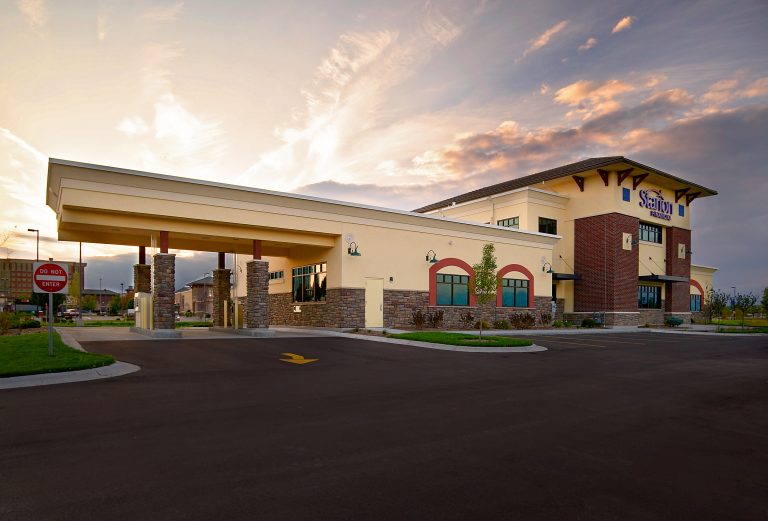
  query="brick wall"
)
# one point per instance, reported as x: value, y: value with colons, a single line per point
x: 678, y: 294
x: 608, y: 272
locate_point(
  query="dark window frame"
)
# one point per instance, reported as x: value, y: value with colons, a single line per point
x: 648, y: 297
x: 695, y: 302
x: 277, y: 275
x: 454, y: 282
x: 651, y: 233
x: 515, y: 287
x: 309, y: 283
x: 512, y: 222
x: 547, y: 225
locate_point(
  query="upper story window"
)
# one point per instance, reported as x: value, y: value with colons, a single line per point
x: 650, y: 233
x: 452, y: 290
x: 547, y: 225
x: 512, y: 222
x: 309, y: 283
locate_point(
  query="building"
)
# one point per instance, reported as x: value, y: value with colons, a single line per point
x: 625, y: 251
x: 16, y: 278
x: 605, y: 235
x: 196, y: 296
x: 103, y: 297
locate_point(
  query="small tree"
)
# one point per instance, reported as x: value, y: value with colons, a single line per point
x: 89, y: 303
x: 485, y: 281
x: 764, y: 302
x: 716, y: 303
x: 743, y: 302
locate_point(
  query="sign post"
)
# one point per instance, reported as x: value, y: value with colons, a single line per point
x: 50, y: 277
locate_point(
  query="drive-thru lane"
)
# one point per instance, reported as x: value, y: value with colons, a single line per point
x: 660, y: 428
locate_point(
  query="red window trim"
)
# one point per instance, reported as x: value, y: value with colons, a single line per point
x: 442, y: 264
x: 522, y: 269
x: 696, y: 285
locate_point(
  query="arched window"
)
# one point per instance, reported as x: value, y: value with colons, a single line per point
x: 450, y: 288
x: 697, y: 299
x: 515, y: 287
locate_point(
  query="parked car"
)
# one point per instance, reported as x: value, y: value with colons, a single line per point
x: 69, y: 313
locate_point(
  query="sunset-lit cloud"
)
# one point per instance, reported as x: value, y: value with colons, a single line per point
x: 163, y: 13
x: 624, y: 23
x: 591, y: 42
x: 544, y: 38
x: 590, y: 98
x: 34, y: 11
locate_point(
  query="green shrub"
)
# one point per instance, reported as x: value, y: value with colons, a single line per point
x: 486, y: 325
x: 673, y: 321
x: 188, y: 314
x: 588, y: 323
x: 6, y: 321
x: 501, y: 324
x: 522, y: 320
x: 558, y: 323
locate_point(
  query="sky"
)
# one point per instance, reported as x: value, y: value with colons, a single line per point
x: 396, y: 104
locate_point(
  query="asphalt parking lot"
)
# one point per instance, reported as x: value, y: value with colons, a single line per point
x: 614, y: 426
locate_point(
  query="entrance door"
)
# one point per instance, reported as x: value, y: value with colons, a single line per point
x: 374, y: 302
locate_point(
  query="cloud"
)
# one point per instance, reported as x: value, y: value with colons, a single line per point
x: 331, y: 136
x: 757, y: 88
x: 543, y: 39
x: 163, y: 13
x: 133, y: 126
x: 591, y: 42
x: 544, y: 89
x: 624, y: 23
x: 590, y: 98
x: 34, y: 11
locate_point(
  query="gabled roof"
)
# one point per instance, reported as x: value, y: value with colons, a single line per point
x: 554, y: 173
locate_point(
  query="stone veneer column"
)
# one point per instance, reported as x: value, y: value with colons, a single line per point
x: 164, y: 286
x: 257, y: 301
x: 142, y: 278
x: 221, y: 295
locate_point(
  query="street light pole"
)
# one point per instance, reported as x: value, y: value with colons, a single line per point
x: 121, y: 297
x: 37, y: 250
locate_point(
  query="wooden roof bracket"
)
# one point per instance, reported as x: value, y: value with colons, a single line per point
x: 579, y: 181
x: 637, y: 179
x: 690, y: 197
x: 623, y: 174
x: 603, y: 175
x: 680, y: 193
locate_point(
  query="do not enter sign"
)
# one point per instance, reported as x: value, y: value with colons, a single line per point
x: 50, y: 277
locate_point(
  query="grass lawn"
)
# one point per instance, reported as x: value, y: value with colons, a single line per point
x: 747, y: 322
x: 745, y: 330
x: 462, y: 339
x: 94, y: 323
x: 28, y: 354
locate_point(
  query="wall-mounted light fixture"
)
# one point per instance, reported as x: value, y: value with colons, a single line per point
x: 431, y: 258
x: 353, y: 250
x: 547, y: 268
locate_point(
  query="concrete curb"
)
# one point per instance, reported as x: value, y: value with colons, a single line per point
x: 68, y: 339
x: 65, y: 377
x: 429, y: 345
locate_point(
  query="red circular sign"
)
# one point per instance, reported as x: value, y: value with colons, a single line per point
x: 50, y: 278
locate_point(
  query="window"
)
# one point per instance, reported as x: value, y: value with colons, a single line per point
x: 625, y: 194
x: 512, y: 222
x: 547, y: 225
x: 681, y: 210
x: 276, y: 275
x: 514, y: 293
x: 695, y: 302
x: 648, y: 297
x: 650, y: 233
x: 309, y: 283
x: 452, y: 290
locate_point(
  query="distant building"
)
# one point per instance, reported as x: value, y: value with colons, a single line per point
x: 196, y: 296
x: 16, y: 278
x: 103, y: 297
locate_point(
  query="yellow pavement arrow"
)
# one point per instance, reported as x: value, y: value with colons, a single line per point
x: 297, y: 359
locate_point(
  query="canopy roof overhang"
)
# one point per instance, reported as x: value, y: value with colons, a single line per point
x: 662, y: 278
x: 107, y: 205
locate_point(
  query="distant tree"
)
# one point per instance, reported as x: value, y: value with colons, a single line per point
x: 485, y: 281
x: 716, y: 302
x: 74, y: 289
x: 114, y: 305
x: 764, y: 302
x: 89, y: 303
x: 743, y: 302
